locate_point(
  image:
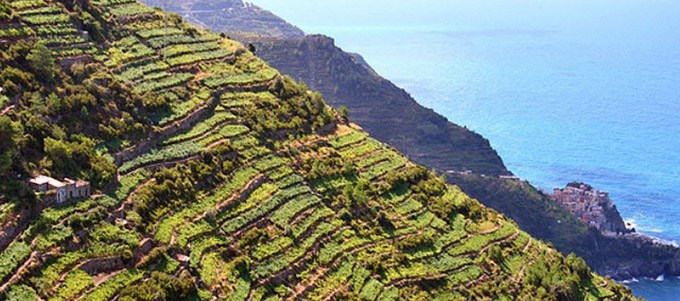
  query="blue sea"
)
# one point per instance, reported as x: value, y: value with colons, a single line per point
x: 564, y: 89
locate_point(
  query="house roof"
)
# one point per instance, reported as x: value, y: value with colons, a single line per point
x: 182, y: 258
x: 41, y: 180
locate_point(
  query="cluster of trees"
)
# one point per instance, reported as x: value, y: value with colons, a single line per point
x: 296, y: 111
x: 10, y: 132
x: 161, y: 286
x: 329, y: 167
x: 12, y: 187
x: 63, y: 112
x: 557, y: 277
x: 358, y: 194
x: 175, y: 187
x: 434, y: 192
x: 77, y: 157
x: 577, y: 184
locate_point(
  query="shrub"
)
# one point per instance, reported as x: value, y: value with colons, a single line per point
x: 41, y: 61
x: 12, y: 257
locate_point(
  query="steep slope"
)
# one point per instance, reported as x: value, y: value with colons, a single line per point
x: 384, y: 110
x: 426, y: 137
x: 387, y: 112
x: 219, y: 178
x: 230, y: 15
x: 402, y: 124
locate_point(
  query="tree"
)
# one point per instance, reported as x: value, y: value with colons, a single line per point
x: 251, y: 48
x: 10, y: 133
x: 579, y: 266
x: 60, y: 153
x: 41, y: 61
x: 496, y: 254
x: 344, y: 112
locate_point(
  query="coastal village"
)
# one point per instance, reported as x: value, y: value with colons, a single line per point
x: 592, y: 206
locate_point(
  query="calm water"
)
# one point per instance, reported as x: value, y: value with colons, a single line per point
x: 564, y: 90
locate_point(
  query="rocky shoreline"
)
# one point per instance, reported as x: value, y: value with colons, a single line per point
x: 662, y: 258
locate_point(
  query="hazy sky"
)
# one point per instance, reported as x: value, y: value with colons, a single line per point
x: 313, y: 15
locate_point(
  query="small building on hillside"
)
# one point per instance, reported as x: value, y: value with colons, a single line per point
x: 77, y: 188
x: 512, y: 178
x: 63, y: 190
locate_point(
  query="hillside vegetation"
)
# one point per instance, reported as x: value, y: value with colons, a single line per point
x: 386, y: 111
x: 392, y: 116
x: 218, y: 178
x: 621, y: 258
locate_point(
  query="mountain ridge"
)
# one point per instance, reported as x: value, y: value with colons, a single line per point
x: 425, y: 135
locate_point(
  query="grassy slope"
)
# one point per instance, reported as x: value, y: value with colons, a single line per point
x: 245, y: 172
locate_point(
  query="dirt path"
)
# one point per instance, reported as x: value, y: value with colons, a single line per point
x: 98, y: 280
x: 300, y: 288
x: 20, y: 271
x: 520, y: 274
x: 336, y: 291
x: 6, y: 110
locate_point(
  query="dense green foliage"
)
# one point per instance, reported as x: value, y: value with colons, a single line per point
x: 216, y: 177
x: 11, y: 133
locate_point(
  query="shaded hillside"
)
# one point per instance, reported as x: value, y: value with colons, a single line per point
x: 217, y: 178
x: 230, y: 15
x: 384, y: 110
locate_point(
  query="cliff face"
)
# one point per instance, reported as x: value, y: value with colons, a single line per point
x: 388, y: 112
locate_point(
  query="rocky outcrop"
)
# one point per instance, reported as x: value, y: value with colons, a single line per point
x: 639, y: 257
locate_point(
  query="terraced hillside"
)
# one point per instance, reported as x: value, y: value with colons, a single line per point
x: 218, y: 178
x: 230, y: 15
x: 393, y: 117
x: 388, y: 112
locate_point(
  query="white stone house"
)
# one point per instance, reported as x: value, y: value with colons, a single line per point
x: 64, y: 191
